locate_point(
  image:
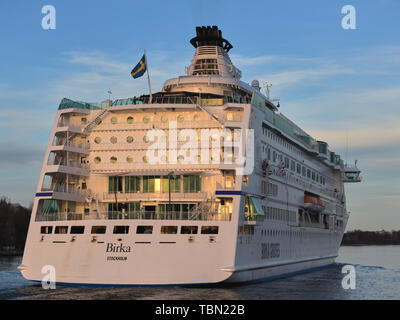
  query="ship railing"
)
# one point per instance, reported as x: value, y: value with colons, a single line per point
x: 182, y: 100
x: 75, y: 144
x: 233, y: 118
x: 135, y: 215
x: 67, y: 123
x: 227, y: 185
x: 63, y: 162
x: 310, y: 186
x: 158, y: 125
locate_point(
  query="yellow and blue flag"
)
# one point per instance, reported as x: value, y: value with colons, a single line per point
x: 140, y: 68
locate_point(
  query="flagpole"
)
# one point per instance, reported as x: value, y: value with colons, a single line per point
x: 148, y: 76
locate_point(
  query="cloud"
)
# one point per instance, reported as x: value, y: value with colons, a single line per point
x: 13, y: 154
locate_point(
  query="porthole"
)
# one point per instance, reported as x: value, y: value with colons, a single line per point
x: 145, y: 159
x: 181, y: 158
x: 113, y: 140
x: 129, y: 120
x: 180, y: 118
x: 113, y: 159
x: 129, y: 159
x: 196, y: 117
x: 146, y: 119
x: 146, y: 139
x: 97, y: 160
x: 129, y: 139
x: 97, y: 140
x: 114, y: 120
x: 164, y: 119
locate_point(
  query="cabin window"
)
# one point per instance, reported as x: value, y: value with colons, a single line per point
x: 113, y: 140
x: 121, y: 230
x: 129, y: 139
x: 146, y: 119
x: 129, y: 159
x: 46, y: 229
x: 61, y: 230
x: 209, y: 230
x: 97, y: 140
x: 77, y: 229
x: 98, y: 229
x: 189, y: 229
x: 114, y: 184
x: 144, y: 229
x: 97, y: 160
x: 169, y: 229
x: 114, y: 120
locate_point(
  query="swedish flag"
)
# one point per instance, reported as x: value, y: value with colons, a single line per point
x: 140, y: 68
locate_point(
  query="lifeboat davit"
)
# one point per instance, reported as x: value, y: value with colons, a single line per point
x: 313, y: 203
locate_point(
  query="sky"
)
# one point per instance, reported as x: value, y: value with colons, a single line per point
x: 340, y: 85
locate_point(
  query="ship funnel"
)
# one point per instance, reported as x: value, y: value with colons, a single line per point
x: 211, y: 57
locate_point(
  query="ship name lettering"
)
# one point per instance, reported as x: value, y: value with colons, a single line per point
x: 113, y: 247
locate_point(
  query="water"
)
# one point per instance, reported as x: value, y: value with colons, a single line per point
x: 377, y: 277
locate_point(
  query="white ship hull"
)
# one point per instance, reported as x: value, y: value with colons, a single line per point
x: 104, y: 215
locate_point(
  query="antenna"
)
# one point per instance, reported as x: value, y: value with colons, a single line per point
x: 269, y: 85
x: 109, y: 96
x: 347, y: 142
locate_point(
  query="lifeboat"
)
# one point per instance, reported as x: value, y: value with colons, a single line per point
x: 313, y: 203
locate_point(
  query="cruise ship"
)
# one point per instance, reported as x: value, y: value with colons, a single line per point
x: 203, y: 182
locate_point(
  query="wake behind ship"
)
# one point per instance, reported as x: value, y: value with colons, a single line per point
x: 203, y: 182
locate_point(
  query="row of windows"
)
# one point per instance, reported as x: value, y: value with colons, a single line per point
x: 279, y: 214
x: 177, y: 183
x: 125, y: 230
x: 269, y: 189
x: 164, y: 119
x: 282, y: 141
x: 249, y: 230
x: 289, y: 163
x: 164, y: 159
x: 180, y: 138
x: 295, y: 166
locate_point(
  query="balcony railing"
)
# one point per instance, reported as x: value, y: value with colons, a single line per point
x: 134, y: 215
x: 63, y: 162
x: 75, y: 144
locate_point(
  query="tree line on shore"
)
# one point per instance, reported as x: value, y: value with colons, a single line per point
x: 358, y: 237
x: 14, y: 222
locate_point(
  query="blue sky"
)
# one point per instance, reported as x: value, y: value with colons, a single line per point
x: 339, y: 85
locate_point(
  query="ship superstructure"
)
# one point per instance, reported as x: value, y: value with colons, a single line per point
x: 205, y: 182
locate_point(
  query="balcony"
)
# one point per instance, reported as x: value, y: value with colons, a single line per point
x: 71, y: 146
x: 71, y: 126
x: 72, y: 167
x: 61, y: 192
